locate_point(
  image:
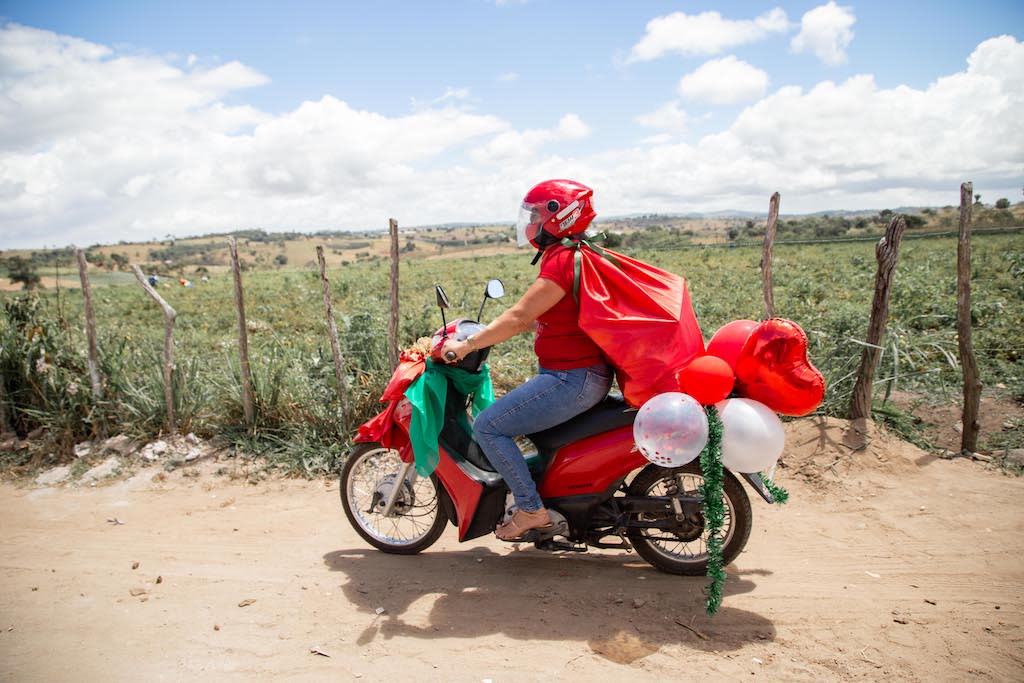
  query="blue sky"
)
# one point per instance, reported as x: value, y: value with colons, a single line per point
x: 133, y: 120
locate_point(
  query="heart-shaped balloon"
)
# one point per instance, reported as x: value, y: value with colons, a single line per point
x: 773, y: 368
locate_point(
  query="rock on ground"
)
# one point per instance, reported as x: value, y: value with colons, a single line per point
x: 101, y: 471
x: 54, y: 476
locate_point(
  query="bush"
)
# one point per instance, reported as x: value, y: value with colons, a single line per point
x: 44, y: 379
x: 22, y: 270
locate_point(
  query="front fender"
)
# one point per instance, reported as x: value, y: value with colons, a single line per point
x: 756, y: 483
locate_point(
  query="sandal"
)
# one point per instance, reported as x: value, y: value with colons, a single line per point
x: 515, y: 529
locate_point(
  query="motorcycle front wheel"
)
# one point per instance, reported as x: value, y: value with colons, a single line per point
x: 681, y: 546
x: 368, y: 479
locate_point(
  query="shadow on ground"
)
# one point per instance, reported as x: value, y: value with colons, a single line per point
x: 619, y: 605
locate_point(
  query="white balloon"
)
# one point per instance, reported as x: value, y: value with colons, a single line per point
x: 752, y: 435
x: 671, y: 429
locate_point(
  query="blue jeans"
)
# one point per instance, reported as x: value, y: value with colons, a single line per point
x: 549, y: 399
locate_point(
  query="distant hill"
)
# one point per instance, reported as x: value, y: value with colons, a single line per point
x: 191, y: 257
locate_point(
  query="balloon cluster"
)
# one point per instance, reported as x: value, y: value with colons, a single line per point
x: 764, y: 367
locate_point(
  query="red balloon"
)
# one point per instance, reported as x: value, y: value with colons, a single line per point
x: 708, y: 379
x: 728, y: 341
x: 773, y: 368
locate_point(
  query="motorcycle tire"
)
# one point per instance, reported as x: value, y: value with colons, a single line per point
x: 681, y: 548
x: 366, y: 479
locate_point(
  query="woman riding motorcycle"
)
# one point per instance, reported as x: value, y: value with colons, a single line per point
x: 573, y: 374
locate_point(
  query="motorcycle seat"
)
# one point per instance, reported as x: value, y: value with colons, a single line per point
x: 611, y: 413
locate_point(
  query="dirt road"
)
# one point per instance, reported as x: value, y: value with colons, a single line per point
x: 885, y: 565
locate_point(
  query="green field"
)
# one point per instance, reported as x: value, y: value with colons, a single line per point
x: 826, y: 288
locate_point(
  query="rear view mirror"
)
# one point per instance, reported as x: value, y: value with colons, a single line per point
x: 442, y: 303
x: 442, y: 298
x: 495, y: 290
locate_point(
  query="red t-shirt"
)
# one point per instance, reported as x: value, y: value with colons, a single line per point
x: 560, y: 343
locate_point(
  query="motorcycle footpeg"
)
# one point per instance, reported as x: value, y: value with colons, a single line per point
x: 552, y: 545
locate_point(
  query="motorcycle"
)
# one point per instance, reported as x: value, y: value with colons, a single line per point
x: 600, y: 490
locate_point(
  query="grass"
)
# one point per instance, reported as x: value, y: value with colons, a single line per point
x: 827, y: 289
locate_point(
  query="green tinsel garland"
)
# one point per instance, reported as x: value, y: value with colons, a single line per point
x: 714, y: 509
x: 779, y: 494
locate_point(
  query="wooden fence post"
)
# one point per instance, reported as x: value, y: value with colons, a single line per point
x: 393, y: 321
x: 766, y: 256
x: 968, y: 362
x: 5, y: 420
x: 887, y: 252
x: 90, y: 326
x: 169, y: 316
x: 332, y: 331
x: 248, y: 406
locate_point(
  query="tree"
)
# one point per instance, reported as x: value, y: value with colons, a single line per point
x: 22, y: 270
x: 613, y: 240
x: 1003, y: 203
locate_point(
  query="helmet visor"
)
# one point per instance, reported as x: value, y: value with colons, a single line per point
x: 527, y: 225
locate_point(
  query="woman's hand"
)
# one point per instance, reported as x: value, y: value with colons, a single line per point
x: 461, y: 349
x: 538, y: 299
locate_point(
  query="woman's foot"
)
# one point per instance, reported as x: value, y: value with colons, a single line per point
x: 521, y: 522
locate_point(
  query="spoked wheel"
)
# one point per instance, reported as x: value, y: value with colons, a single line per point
x: 681, y: 546
x: 368, y: 480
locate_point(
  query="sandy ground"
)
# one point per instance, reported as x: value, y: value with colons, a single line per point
x: 886, y: 564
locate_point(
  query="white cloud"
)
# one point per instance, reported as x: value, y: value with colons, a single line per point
x: 845, y: 145
x: 668, y: 117
x: 724, y: 81
x: 117, y: 146
x: 529, y: 144
x: 56, y: 87
x: 826, y: 31
x: 707, y: 33
x: 508, y: 77
x: 451, y: 93
x: 97, y: 145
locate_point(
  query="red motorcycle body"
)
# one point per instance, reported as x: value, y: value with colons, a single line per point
x: 578, y: 465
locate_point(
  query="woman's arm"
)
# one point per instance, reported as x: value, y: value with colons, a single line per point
x: 541, y: 296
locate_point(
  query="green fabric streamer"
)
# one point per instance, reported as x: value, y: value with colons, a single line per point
x: 714, y: 509
x: 428, y: 394
x: 779, y: 494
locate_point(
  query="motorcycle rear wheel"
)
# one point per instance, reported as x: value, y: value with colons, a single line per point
x: 368, y: 477
x: 681, y: 548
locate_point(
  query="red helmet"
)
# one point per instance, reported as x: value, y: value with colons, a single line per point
x: 552, y: 210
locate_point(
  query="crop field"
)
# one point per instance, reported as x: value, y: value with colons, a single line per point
x: 825, y: 288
